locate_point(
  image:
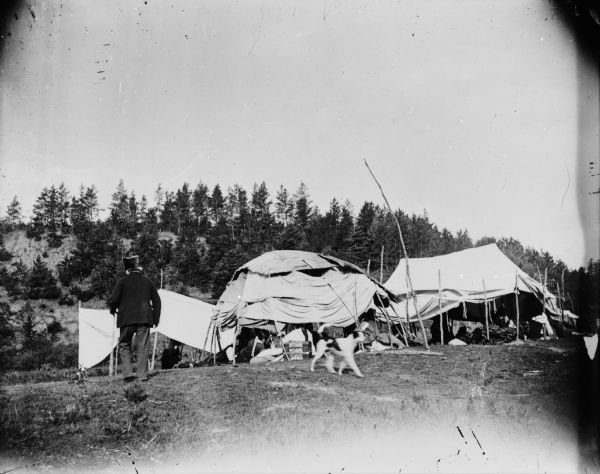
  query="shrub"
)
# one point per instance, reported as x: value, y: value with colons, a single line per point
x: 54, y: 328
x: 66, y: 300
x: 41, y: 282
x: 81, y: 294
x: 42, y: 355
x: 5, y: 255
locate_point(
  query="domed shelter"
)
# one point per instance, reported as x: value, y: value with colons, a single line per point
x: 297, y: 287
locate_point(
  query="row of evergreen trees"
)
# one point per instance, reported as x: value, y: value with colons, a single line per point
x: 198, y: 237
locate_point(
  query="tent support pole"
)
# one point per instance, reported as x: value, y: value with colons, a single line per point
x: 440, y: 306
x: 517, y: 302
x: 401, y: 325
x: 112, y: 351
x: 235, y: 336
x: 154, y: 350
x: 381, y: 266
x: 214, y: 345
x: 561, y: 297
x: 485, y: 303
x: 206, y: 341
x: 544, y: 300
x: 387, y: 318
x: 410, y: 286
x: 219, y: 341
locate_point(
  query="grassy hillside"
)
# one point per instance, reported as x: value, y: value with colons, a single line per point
x: 475, y: 408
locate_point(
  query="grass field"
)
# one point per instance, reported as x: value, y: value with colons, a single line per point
x: 500, y: 408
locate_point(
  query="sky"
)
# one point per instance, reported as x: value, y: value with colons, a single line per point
x: 483, y: 113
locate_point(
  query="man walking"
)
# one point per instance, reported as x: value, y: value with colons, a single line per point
x: 137, y: 304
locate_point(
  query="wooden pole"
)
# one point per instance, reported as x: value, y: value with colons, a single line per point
x: 161, y: 278
x: 235, y: 336
x: 544, y: 299
x: 485, y: 302
x: 404, y: 331
x: 387, y: 317
x: 154, y: 350
x: 381, y: 267
x: 410, y: 286
x: 369, y: 267
x: 210, y: 325
x: 562, y: 323
x: 561, y: 299
x: 111, y: 360
x: 406, y: 309
x: 440, y: 306
x: 517, y: 301
x: 214, y: 345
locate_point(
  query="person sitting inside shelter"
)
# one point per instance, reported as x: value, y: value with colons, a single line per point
x: 436, y: 337
x: 171, y: 355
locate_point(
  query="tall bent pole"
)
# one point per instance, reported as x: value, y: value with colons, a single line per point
x: 410, y: 286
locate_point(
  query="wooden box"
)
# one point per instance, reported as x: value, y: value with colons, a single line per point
x: 298, y: 350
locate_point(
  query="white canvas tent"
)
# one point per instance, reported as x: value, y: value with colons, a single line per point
x: 292, y: 286
x: 98, y: 336
x: 184, y: 319
x: 463, y: 275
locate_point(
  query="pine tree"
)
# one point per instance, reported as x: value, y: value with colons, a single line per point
x: 119, y: 210
x: 284, y: 206
x: 16, y: 279
x: 217, y: 204
x: 133, y: 218
x: 343, y: 237
x: 14, y: 213
x: 184, y: 219
x: 224, y: 269
x: 26, y: 317
x: 462, y: 240
x: 62, y: 207
x: 301, y: 218
x: 41, y: 282
x: 260, y: 215
x: 200, y: 208
x: 168, y: 214
x: 302, y: 205
x: 159, y: 196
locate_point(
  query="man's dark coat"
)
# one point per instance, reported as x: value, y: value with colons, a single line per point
x: 136, y: 299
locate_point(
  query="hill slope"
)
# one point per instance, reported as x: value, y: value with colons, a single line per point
x: 475, y: 408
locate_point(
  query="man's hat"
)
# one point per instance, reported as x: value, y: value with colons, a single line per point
x: 130, y: 261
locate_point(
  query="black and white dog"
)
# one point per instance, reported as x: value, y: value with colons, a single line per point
x: 343, y: 347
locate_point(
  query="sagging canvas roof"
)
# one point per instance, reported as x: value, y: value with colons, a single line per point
x: 291, y: 286
x: 462, y: 276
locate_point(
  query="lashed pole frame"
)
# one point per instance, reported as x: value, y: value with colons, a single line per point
x: 410, y: 286
x: 404, y: 330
